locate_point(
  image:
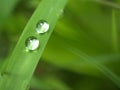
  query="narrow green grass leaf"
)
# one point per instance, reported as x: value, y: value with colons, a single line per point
x: 108, y: 3
x: 112, y: 76
x: 114, y: 32
x: 18, y: 70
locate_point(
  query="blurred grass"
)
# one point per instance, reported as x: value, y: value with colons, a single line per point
x: 6, y: 9
x: 90, y: 26
x: 114, y: 31
x: 111, y: 75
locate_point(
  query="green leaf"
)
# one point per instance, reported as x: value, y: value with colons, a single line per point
x: 21, y: 64
x: 106, y: 71
x: 114, y: 32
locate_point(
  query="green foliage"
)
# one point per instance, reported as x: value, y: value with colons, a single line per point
x: 21, y: 64
x: 83, y: 52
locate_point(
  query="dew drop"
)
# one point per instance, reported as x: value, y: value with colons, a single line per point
x: 61, y: 14
x: 31, y: 43
x: 42, y: 26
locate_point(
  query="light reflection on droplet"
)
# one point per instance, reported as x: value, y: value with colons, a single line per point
x: 42, y: 27
x: 31, y: 43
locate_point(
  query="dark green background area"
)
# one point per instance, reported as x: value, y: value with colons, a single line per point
x: 83, y: 52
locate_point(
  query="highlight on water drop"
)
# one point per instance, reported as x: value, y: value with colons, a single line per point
x: 42, y: 27
x: 32, y: 43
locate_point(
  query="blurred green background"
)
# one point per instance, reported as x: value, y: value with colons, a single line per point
x: 83, y: 52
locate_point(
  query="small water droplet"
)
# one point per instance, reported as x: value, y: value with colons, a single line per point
x: 61, y: 14
x: 32, y: 43
x: 42, y: 26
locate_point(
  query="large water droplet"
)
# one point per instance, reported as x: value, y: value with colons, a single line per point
x: 42, y: 26
x: 32, y: 43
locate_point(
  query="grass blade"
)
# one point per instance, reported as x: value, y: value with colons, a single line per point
x: 19, y: 68
x: 108, y: 3
x: 114, y: 32
x: 112, y: 76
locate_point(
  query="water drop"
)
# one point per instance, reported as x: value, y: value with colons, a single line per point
x: 32, y: 43
x: 42, y: 26
x: 61, y: 14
